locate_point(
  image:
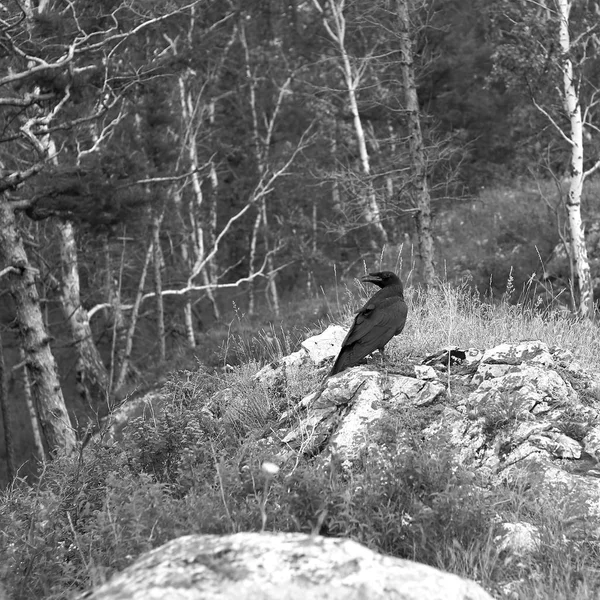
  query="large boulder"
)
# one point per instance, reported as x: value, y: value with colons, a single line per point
x: 285, y: 566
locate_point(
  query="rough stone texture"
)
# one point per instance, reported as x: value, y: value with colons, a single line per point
x: 338, y: 415
x: 426, y: 372
x: 325, y: 345
x: 314, y: 351
x: 591, y: 442
x: 514, y: 354
x: 534, y: 418
x: 254, y: 566
x: 270, y: 374
x: 142, y: 406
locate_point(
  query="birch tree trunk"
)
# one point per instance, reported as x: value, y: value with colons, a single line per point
x: 189, y: 118
x: 261, y: 151
x: 41, y: 367
x: 579, y: 254
x: 91, y: 374
x: 252, y: 261
x: 186, y: 258
x: 416, y: 150
x: 124, y: 366
x: 335, y: 25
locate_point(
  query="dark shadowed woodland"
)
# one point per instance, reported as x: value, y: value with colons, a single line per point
x: 189, y: 189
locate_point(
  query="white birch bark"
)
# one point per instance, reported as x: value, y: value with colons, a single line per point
x: 336, y: 29
x: 124, y: 366
x: 189, y: 116
x: 261, y: 151
x: 91, y: 374
x: 573, y: 108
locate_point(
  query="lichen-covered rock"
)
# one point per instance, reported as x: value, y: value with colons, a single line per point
x: 115, y: 422
x: 515, y: 354
x: 339, y: 415
x: 292, y: 566
x: 528, y: 416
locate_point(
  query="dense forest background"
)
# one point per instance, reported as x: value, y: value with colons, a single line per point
x: 177, y: 172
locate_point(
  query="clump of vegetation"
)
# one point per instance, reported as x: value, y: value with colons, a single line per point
x: 198, y: 466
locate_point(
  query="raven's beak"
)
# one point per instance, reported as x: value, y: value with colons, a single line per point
x: 370, y: 278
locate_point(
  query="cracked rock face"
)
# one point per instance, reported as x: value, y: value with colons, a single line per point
x: 285, y: 566
x: 527, y: 413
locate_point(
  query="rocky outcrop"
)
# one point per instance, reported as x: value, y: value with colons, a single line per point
x: 519, y: 412
x: 292, y: 566
x: 340, y: 416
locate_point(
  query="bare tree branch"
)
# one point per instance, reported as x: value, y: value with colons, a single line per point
x: 554, y: 123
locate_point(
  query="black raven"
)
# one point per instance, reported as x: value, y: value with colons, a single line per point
x: 376, y: 323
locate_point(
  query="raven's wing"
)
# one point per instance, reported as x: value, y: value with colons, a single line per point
x: 374, y: 326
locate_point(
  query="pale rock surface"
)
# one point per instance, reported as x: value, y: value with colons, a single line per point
x: 314, y: 350
x: 532, y: 351
x: 142, y: 406
x: 426, y: 372
x: 339, y: 416
x: 292, y: 566
x: 591, y: 442
x: 518, y: 538
x: 521, y: 420
x: 325, y: 345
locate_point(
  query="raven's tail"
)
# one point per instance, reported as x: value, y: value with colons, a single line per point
x: 341, y: 363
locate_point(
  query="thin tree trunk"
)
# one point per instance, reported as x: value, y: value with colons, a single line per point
x: 124, y: 367
x: 315, y: 228
x: 7, y: 419
x: 188, y: 115
x: 47, y: 394
x: 261, y: 152
x: 585, y: 302
x: 212, y: 215
x: 33, y: 415
x: 389, y: 180
x: 335, y: 25
x: 416, y: 149
x: 371, y: 211
x: 271, y: 283
x: 251, y: 261
x: 186, y: 259
x: 115, y: 314
x: 160, y: 309
x: 92, y: 376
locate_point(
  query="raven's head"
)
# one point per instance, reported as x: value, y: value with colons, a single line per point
x: 382, y: 279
